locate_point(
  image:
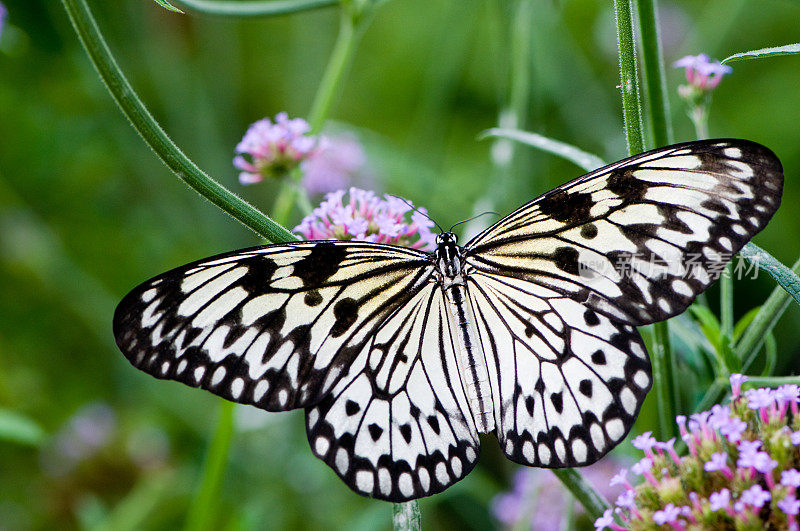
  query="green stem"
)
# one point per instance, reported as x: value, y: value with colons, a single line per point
x: 654, y: 79
x: 726, y: 303
x: 771, y: 381
x: 666, y: 392
x: 152, y: 133
x: 765, y: 320
x: 594, y: 502
x: 629, y: 79
x: 405, y: 516
x: 252, y: 9
x: 203, y: 511
x: 350, y: 26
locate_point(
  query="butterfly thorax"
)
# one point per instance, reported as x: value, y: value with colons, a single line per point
x: 471, y: 359
x: 448, y: 258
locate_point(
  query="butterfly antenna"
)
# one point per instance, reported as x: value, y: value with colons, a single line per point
x: 415, y: 209
x: 473, y: 217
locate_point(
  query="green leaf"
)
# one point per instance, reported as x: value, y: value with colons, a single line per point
x: 169, y: 7
x: 744, y: 322
x: 19, y: 429
x: 585, y: 160
x: 763, y: 52
x: 709, y: 324
x: 770, y: 354
x: 787, y: 278
x: 257, y: 8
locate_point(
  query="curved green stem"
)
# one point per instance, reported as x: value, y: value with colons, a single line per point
x: 155, y: 137
x: 629, y: 79
x: 203, y: 511
x: 252, y: 9
x: 654, y: 86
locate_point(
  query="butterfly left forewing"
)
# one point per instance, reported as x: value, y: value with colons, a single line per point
x: 273, y: 326
x: 567, y: 382
x: 638, y: 240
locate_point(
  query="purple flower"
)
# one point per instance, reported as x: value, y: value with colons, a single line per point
x: 789, y: 505
x: 366, y: 217
x: 667, y: 515
x: 720, y: 500
x: 795, y: 437
x: 701, y: 72
x: 3, y: 14
x: 760, y: 399
x: 736, y: 384
x: 273, y: 149
x: 645, y: 442
x: 644, y: 465
x: 669, y: 447
x: 733, y: 429
x: 337, y: 161
x: 790, y: 478
x: 621, y: 478
x: 756, y: 496
x: 717, y: 462
x: 764, y: 463
x: 627, y: 500
x: 607, y: 520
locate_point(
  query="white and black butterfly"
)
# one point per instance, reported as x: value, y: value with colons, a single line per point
x: 402, y: 357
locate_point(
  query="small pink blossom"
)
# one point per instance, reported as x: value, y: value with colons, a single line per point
x: 720, y: 500
x: 701, y: 72
x: 736, y: 384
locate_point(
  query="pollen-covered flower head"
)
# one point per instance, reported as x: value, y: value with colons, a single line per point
x: 273, y: 149
x: 740, y: 471
x: 362, y: 215
x: 701, y: 72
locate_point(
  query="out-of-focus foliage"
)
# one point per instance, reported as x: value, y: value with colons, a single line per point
x: 87, y: 212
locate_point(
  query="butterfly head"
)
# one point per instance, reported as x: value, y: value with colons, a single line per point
x: 448, y: 255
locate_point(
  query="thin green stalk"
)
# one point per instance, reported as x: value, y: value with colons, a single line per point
x: 155, y: 137
x: 653, y: 79
x: 594, y: 502
x: 350, y: 28
x: 752, y: 340
x: 252, y: 9
x: 203, y: 511
x: 771, y: 381
x: 405, y: 516
x: 632, y: 113
x: 765, y: 320
x: 629, y: 79
x: 351, y: 24
x: 726, y: 303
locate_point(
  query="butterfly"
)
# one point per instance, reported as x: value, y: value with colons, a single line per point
x: 402, y: 357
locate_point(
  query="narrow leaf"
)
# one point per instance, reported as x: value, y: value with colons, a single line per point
x: 763, y: 52
x: 253, y: 8
x: 787, y: 278
x: 770, y: 354
x: 744, y: 322
x: 585, y: 160
x: 169, y: 7
x: 19, y: 429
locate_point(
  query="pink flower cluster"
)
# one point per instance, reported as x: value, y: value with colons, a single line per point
x: 741, y: 470
x: 363, y: 216
x: 274, y: 149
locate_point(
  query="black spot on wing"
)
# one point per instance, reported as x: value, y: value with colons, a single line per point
x: 565, y: 206
x: 320, y: 264
x: 566, y: 259
x: 346, y: 313
x: 589, y: 231
x: 625, y: 185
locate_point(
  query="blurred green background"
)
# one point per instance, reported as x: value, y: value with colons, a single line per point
x: 87, y: 212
